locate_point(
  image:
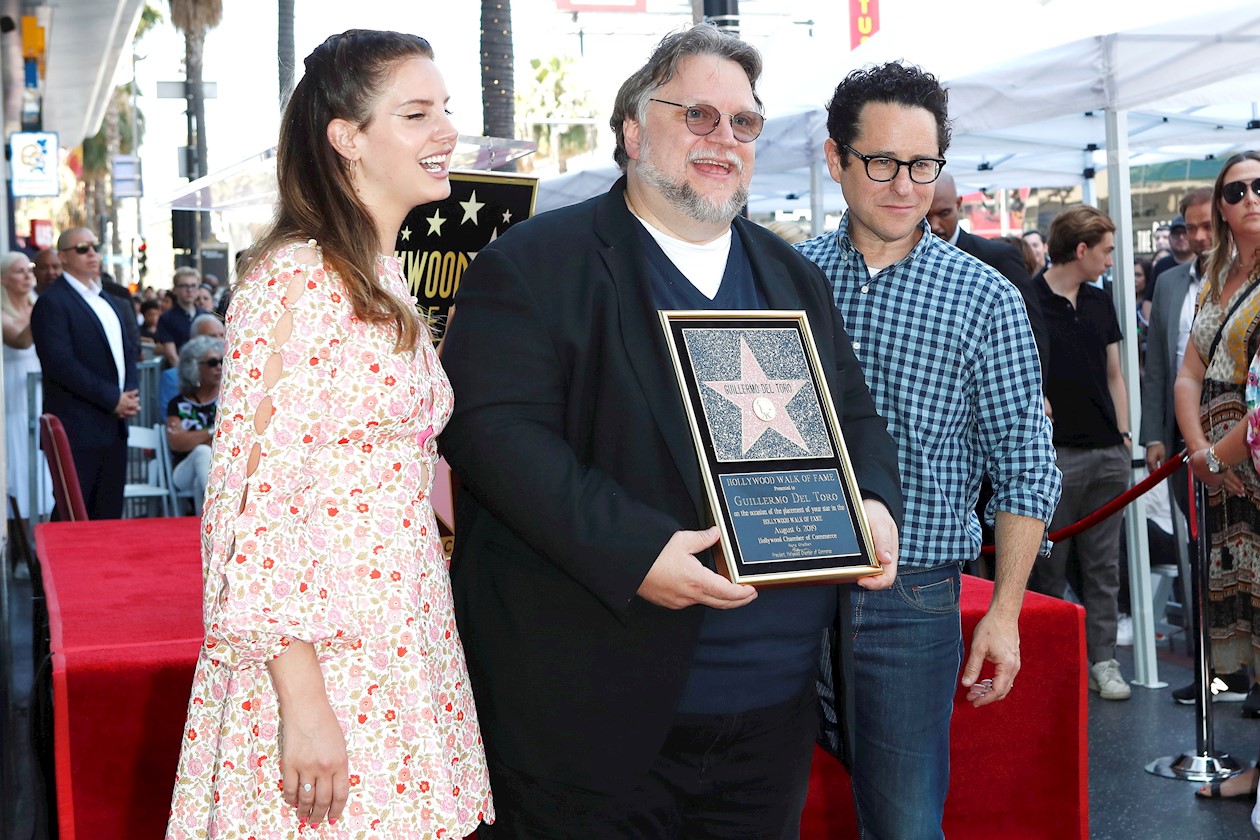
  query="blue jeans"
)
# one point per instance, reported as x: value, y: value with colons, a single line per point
x: 907, y: 646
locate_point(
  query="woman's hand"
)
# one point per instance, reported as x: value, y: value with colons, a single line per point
x: 313, y: 765
x: 313, y: 762
x: 1229, y: 479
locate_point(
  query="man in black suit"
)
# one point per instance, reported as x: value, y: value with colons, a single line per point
x: 88, y: 344
x: 620, y: 680
x: 943, y: 217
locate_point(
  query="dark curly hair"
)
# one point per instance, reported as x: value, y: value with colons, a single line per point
x: 894, y: 83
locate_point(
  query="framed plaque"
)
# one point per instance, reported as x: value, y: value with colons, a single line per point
x: 773, y: 462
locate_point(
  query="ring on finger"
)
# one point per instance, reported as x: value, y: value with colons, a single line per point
x: 307, y: 787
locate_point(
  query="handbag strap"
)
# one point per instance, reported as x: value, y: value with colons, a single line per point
x: 1238, y: 301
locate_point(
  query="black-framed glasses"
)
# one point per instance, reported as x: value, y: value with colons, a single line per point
x: 882, y: 168
x: 83, y: 248
x: 212, y: 362
x: 1236, y: 191
x: 703, y: 120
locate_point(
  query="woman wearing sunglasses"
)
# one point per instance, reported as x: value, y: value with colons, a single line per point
x: 190, y: 416
x: 1210, y: 401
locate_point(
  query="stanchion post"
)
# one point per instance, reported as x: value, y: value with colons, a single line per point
x: 1205, y: 764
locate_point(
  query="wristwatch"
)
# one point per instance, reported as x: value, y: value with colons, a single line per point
x: 1214, y: 465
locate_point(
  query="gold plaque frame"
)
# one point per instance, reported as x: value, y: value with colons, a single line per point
x: 774, y: 466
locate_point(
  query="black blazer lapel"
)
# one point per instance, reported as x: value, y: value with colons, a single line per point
x: 82, y: 311
x: 779, y: 285
x: 644, y: 338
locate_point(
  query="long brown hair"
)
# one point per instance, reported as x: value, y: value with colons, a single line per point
x: 1222, y: 253
x: 344, y: 78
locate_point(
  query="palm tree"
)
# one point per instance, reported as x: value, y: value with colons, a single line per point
x: 195, y: 18
x: 284, y: 49
x: 497, y: 88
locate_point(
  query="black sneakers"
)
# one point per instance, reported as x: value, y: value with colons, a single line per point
x: 1230, y: 688
x: 1251, y: 706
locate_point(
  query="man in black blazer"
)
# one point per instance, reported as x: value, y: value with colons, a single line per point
x: 88, y: 343
x: 943, y: 217
x: 620, y: 680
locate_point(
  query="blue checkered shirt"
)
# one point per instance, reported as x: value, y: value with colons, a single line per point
x: 949, y: 357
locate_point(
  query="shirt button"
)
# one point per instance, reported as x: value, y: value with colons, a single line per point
x: 857, y: 345
x: 865, y: 289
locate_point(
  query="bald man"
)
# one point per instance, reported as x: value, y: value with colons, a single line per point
x: 47, y: 269
x: 943, y: 218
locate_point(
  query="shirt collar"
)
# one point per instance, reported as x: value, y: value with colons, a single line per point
x: 83, y: 287
x: 927, y: 241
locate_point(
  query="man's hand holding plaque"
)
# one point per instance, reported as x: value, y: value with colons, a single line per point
x: 677, y: 579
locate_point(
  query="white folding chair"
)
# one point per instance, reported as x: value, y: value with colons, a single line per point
x: 155, y: 484
x: 168, y: 468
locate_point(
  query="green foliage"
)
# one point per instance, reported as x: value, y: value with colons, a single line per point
x: 149, y: 18
x: 553, y: 93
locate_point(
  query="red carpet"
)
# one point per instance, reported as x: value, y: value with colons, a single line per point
x: 124, y: 599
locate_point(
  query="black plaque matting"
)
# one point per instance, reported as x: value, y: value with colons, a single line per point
x: 437, y: 241
x: 775, y: 469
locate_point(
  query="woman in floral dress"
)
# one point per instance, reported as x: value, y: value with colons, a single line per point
x: 331, y: 696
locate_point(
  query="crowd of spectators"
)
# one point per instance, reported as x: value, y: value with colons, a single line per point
x: 140, y: 324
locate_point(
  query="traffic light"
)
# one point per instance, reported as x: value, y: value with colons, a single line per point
x: 142, y: 259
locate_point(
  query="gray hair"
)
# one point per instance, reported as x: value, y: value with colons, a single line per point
x: 203, y: 318
x: 190, y: 357
x: 701, y: 39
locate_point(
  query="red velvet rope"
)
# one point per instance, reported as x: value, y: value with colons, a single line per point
x: 1165, y: 469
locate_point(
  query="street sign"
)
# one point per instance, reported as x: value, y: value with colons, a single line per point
x: 34, y: 163
x: 126, y: 177
x: 179, y: 90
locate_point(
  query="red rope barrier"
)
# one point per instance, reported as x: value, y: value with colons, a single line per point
x: 1165, y: 470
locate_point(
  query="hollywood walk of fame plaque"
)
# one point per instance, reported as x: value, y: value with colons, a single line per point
x: 775, y: 469
x: 437, y: 241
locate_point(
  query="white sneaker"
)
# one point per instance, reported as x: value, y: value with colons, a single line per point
x: 1105, y: 678
x: 1124, y: 631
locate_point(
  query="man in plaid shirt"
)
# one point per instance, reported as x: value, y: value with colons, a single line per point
x: 949, y: 356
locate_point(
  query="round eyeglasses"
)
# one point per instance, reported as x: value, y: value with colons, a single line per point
x: 883, y: 168
x: 1236, y: 191
x: 703, y: 120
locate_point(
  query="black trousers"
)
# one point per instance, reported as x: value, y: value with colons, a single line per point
x: 102, y: 476
x: 718, y: 777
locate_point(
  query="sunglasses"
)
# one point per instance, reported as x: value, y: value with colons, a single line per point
x: 83, y: 248
x: 1236, y: 191
x: 703, y: 120
x: 212, y: 362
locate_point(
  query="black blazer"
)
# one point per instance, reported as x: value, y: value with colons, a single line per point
x: 80, y: 378
x: 576, y: 467
x: 1010, y: 265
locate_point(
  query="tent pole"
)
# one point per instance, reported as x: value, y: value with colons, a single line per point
x: 817, y: 208
x: 1120, y: 204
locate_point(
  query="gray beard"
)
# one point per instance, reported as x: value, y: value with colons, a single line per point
x: 686, y: 200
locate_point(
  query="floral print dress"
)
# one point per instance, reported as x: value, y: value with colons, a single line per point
x: 318, y: 527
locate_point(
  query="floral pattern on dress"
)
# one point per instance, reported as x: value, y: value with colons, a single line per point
x: 318, y: 527
x: 1233, y: 522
